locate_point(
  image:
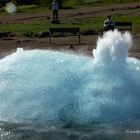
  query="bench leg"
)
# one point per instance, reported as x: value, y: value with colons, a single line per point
x: 79, y: 39
x: 50, y: 40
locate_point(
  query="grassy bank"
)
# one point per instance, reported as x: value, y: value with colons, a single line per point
x: 75, y: 3
x: 85, y: 24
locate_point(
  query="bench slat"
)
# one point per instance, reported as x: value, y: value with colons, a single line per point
x: 74, y: 31
x: 64, y: 30
x: 123, y: 23
x: 123, y: 26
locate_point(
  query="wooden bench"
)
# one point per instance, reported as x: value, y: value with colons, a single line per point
x: 64, y: 32
x: 123, y: 26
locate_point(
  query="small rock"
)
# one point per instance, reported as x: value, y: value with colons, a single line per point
x: 43, y: 34
x: 71, y: 47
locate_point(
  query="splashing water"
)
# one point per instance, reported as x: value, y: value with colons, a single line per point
x: 53, y: 86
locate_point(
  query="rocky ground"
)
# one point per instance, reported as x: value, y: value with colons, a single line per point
x: 64, y: 44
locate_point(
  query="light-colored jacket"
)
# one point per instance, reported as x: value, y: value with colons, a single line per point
x: 55, y: 5
x: 108, y: 23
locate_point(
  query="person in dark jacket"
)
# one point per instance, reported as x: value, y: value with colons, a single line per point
x: 55, y: 8
x: 109, y: 24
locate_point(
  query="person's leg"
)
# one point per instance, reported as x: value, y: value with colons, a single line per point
x: 53, y: 14
x: 112, y: 28
x: 105, y: 29
x: 57, y: 15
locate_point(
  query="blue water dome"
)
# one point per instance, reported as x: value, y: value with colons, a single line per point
x: 54, y: 86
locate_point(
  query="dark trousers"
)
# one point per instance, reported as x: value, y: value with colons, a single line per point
x: 107, y: 28
x: 55, y: 14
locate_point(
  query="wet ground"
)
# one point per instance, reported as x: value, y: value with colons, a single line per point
x: 35, y: 131
x: 65, y: 44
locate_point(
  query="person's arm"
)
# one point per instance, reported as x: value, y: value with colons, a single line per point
x: 52, y: 3
x: 112, y: 23
x: 105, y: 23
x: 58, y: 4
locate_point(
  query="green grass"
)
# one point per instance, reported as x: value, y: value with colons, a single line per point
x: 26, y: 9
x: 31, y: 9
x: 85, y: 24
x: 67, y: 4
x: 75, y: 3
x: 21, y: 28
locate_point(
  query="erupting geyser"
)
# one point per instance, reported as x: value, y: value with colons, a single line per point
x: 44, y: 85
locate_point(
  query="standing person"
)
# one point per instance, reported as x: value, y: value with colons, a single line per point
x: 109, y: 24
x: 55, y: 8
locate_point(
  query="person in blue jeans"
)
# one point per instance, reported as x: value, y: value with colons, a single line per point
x: 55, y: 8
